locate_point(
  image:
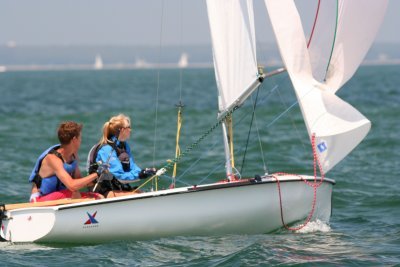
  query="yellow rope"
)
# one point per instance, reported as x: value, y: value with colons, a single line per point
x: 229, y: 121
x: 148, y: 180
x: 189, y: 148
x: 178, y: 133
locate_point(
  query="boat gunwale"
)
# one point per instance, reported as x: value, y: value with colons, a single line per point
x: 189, y: 189
x: 181, y: 190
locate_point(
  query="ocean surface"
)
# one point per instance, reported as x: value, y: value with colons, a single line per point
x: 365, y: 225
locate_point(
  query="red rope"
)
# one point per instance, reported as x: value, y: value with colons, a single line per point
x: 314, y: 185
x: 315, y: 22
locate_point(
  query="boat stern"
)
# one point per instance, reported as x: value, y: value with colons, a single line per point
x: 26, y: 225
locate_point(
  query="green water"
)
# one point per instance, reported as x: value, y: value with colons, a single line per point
x: 365, y: 224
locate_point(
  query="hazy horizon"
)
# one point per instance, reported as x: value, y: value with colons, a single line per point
x: 140, y: 33
x: 139, y: 56
x: 133, y: 22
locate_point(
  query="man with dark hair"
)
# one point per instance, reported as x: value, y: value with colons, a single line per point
x: 56, y: 170
x: 68, y: 130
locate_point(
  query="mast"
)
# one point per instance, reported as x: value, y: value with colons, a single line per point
x: 228, y: 134
x: 235, y: 61
x: 228, y: 164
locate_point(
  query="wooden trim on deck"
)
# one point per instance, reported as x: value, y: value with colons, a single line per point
x: 46, y: 203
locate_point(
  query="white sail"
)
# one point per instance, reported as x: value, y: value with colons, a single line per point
x: 338, y: 127
x: 234, y: 50
x: 98, y: 63
x: 343, y: 33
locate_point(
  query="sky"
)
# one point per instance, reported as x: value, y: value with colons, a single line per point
x: 128, y: 22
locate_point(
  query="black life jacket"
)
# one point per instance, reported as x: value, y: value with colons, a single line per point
x: 105, y: 186
x: 122, y: 155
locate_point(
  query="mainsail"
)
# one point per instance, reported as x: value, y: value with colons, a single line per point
x: 234, y: 49
x: 338, y: 127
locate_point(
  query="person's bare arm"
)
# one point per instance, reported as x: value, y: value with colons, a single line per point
x: 72, y: 184
x: 77, y: 173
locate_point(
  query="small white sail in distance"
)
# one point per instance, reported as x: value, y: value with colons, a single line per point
x: 338, y: 126
x: 98, y: 63
x: 234, y: 50
x: 183, y: 61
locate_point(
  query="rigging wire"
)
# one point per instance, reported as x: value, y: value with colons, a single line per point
x: 180, y: 104
x: 158, y: 84
x: 218, y: 165
x: 188, y: 149
x: 248, y: 134
x: 292, y: 121
x: 218, y: 142
x: 260, y: 144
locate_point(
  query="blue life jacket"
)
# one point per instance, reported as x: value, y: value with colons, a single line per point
x: 39, y: 162
x: 50, y: 184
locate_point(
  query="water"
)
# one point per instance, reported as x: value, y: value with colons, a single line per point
x: 365, y: 224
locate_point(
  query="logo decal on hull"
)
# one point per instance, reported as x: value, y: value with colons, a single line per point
x: 92, y: 219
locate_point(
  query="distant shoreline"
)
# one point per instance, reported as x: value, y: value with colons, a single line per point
x: 149, y: 66
x: 86, y: 57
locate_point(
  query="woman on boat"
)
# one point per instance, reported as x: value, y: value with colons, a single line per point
x: 114, y: 151
x: 56, y: 170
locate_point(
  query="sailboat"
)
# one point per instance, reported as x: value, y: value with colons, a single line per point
x: 233, y: 205
x: 98, y: 63
x: 183, y: 61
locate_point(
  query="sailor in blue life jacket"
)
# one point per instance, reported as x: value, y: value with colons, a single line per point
x: 55, y: 173
x: 114, y: 151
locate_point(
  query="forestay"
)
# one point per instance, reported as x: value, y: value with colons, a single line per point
x: 234, y: 50
x: 334, y: 54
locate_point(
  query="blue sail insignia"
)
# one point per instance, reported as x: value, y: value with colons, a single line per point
x: 322, y: 147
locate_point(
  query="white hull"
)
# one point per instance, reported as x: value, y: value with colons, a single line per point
x: 246, y: 207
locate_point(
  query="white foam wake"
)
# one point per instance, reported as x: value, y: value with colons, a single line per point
x: 315, y: 226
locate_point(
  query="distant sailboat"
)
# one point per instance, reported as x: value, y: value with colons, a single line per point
x: 141, y: 64
x: 98, y: 63
x: 183, y: 61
